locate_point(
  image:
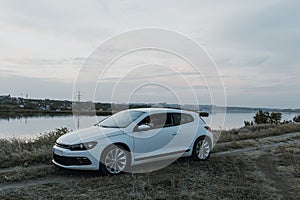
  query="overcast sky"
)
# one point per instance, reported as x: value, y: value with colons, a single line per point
x: 255, y: 44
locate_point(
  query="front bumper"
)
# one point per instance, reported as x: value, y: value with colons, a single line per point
x: 81, y: 160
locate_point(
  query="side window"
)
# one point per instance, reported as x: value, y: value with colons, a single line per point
x: 181, y: 118
x: 157, y: 120
x: 185, y: 118
x: 177, y: 118
x: 169, y: 120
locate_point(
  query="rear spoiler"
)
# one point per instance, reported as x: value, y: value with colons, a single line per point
x: 203, y: 114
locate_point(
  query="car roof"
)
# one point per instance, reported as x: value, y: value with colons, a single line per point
x: 162, y: 110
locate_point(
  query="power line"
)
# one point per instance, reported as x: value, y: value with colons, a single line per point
x: 78, y: 118
x: 79, y: 96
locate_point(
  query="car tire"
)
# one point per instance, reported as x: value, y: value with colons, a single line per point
x: 114, y: 160
x: 201, y: 149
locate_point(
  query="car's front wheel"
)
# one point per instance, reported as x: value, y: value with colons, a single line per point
x: 114, y: 160
x: 202, y: 148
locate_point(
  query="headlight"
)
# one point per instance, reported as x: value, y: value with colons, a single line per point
x: 82, y: 146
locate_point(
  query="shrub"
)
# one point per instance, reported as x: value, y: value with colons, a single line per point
x: 262, y: 117
x: 275, y: 117
x: 296, y: 118
x: 248, y: 123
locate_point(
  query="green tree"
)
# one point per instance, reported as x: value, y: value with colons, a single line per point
x: 275, y: 117
x: 262, y: 117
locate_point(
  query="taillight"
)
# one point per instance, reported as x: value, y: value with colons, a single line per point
x: 207, y: 128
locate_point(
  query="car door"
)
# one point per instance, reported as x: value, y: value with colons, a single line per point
x: 155, y: 142
x: 186, y: 130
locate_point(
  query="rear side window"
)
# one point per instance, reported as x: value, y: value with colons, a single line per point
x: 182, y: 118
x: 161, y: 120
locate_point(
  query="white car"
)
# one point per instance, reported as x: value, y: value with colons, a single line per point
x: 132, y: 137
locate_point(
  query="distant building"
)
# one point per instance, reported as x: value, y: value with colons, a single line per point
x: 47, y: 107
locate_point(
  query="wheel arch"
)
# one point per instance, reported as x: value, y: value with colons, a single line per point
x: 119, y: 144
x: 202, y: 137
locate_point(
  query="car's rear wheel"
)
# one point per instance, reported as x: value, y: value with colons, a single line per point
x: 202, y: 149
x: 114, y: 160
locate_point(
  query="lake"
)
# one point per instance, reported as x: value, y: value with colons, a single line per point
x: 26, y: 127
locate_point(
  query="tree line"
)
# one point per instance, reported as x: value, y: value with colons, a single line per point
x: 264, y: 117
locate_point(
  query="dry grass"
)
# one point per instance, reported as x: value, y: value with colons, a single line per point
x: 257, y: 131
x: 271, y: 174
x: 25, y: 173
x: 222, y: 177
x: 19, y: 152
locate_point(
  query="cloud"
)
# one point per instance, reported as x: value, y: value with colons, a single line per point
x: 270, y: 28
x: 255, y: 43
x: 64, y: 69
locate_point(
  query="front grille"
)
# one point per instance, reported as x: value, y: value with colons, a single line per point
x: 64, y: 146
x: 63, y: 160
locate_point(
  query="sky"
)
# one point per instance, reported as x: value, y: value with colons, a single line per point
x: 254, y: 44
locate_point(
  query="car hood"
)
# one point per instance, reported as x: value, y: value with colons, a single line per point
x: 88, y: 134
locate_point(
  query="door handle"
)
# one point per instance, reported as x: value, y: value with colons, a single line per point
x: 174, y: 133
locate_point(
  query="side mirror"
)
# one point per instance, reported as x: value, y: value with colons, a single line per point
x: 203, y: 114
x: 143, y: 127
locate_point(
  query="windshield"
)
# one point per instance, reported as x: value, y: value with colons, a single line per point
x: 121, y: 119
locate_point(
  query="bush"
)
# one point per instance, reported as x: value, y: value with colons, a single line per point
x: 248, y: 123
x: 275, y: 117
x: 262, y: 117
x: 296, y: 118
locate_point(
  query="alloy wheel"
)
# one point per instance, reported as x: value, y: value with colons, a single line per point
x: 202, y: 149
x: 115, y: 160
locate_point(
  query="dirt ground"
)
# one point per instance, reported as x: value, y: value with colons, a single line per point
x: 268, y: 168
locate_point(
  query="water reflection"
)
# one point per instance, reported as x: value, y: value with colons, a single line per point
x: 28, y: 126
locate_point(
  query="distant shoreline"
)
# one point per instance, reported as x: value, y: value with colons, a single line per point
x: 37, y: 113
x: 29, y: 113
x: 14, y: 107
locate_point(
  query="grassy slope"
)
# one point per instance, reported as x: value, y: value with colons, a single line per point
x: 271, y: 174
x: 254, y: 175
